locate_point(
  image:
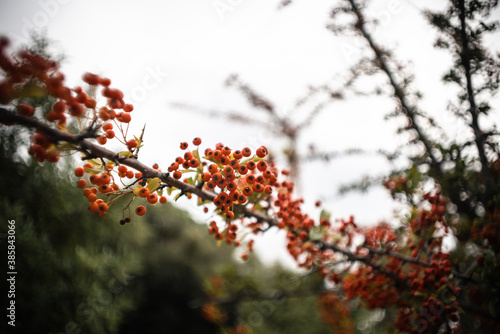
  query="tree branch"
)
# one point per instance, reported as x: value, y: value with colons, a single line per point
x: 88, y: 147
x: 479, y: 136
x: 399, y: 92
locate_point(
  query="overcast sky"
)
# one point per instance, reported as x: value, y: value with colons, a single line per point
x: 182, y: 51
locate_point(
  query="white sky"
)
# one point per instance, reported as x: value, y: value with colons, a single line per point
x: 162, y: 52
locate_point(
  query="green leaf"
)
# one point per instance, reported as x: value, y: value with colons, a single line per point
x: 325, y: 214
x: 91, y: 171
x: 178, y: 196
x: 196, y: 154
x: 139, y: 142
x: 315, y: 234
x: 95, y: 162
x: 214, y: 161
x: 153, y: 184
x: 126, y: 154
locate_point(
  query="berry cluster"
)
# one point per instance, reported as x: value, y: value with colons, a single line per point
x: 103, y: 180
x: 29, y: 77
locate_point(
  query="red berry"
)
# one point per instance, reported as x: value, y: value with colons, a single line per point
x: 140, y: 210
x: 79, y: 171
x: 131, y: 143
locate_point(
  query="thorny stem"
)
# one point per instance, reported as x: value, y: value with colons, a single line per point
x: 399, y: 92
x: 479, y: 137
x: 88, y: 147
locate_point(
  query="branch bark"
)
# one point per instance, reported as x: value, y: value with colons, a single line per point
x: 479, y: 136
x: 399, y: 92
x: 86, y: 146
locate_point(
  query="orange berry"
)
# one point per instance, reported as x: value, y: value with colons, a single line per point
x: 93, y: 207
x: 197, y: 141
x: 242, y: 199
x: 217, y: 177
x: 251, y: 165
x: 94, y: 179
x: 163, y: 200
x: 184, y: 145
x: 79, y: 171
x: 247, y: 191
x: 26, y: 110
x: 243, y: 169
x: 268, y: 190
x: 130, y: 174
x: 246, y: 152
x: 177, y: 174
x: 258, y: 188
x: 105, y: 179
x: 107, y: 126
x: 244, y: 256
x: 132, y: 143
x: 206, y: 177
x: 110, y: 134
x: 152, y: 198
x: 211, y: 185
x: 92, y: 197
x: 261, y: 152
x: 234, y: 163
x: 90, y: 78
x: 81, y: 184
x: 103, y: 207
x: 138, y: 175
x: 105, y: 82
x: 104, y: 188
x: 140, y: 210
x: 128, y: 107
x: 122, y: 169
x: 59, y: 107
x: 237, y: 154
x: 226, y: 150
x: 173, y: 166
x: 262, y: 165
x: 144, y: 192
x: 213, y: 168
x: 124, y: 117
